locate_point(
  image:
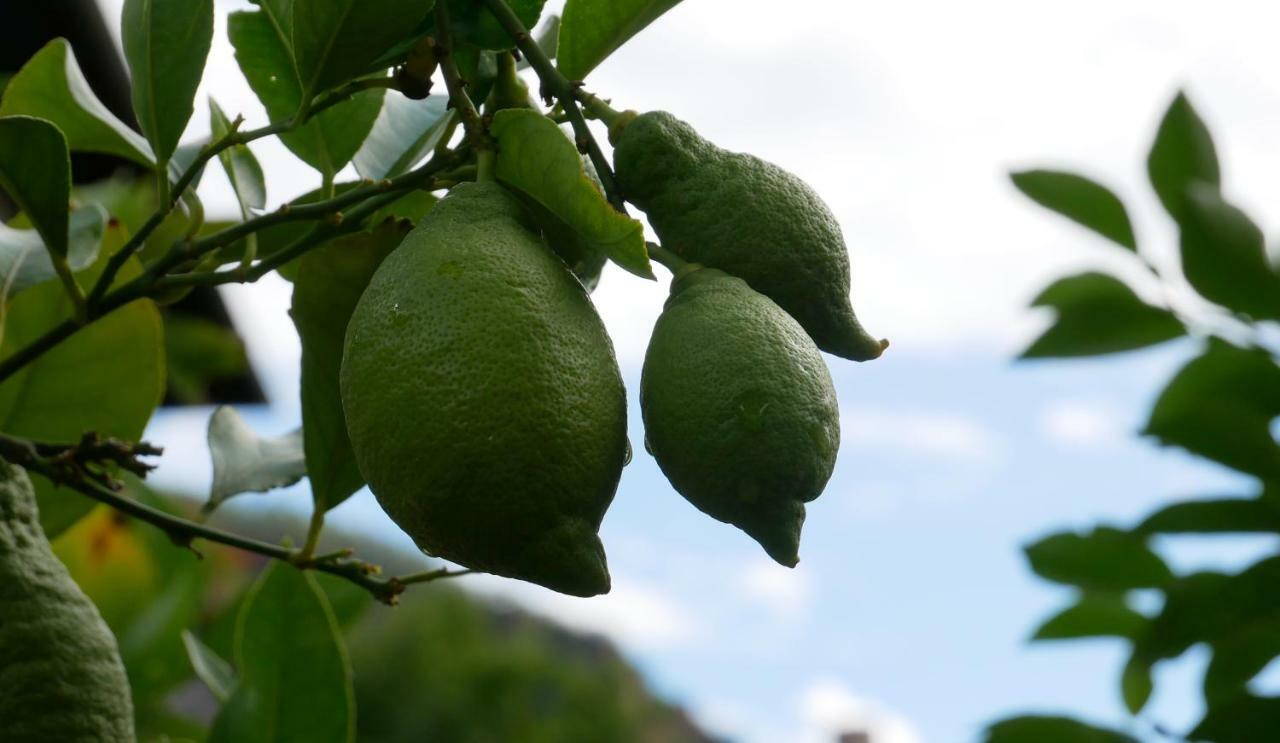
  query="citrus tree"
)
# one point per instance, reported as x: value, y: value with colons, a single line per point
x: 451, y: 356
x: 1224, y: 293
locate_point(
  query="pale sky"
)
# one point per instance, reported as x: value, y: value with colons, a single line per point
x: 909, y: 612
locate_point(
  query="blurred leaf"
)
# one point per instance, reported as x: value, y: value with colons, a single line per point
x: 152, y: 644
x: 591, y: 30
x: 325, y: 291
x: 1222, y: 516
x: 1246, y: 719
x: 1093, y: 615
x: 1240, y: 656
x: 1099, y: 314
x: 166, y: 43
x: 329, y: 140
x: 215, y: 672
x: 24, y: 261
x: 536, y: 158
x: 107, y: 378
x: 244, y: 462
x: 295, y: 678
x: 1183, y: 154
x: 200, y: 353
x: 112, y: 564
x: 1224, y: 255
x: 1081, y: 200
x: 1038, y: 729
x: 406, y: 132
x: 1220, y: 406
x: 335, y: 41
x: 349, y: 601
x: 473, y: 24
x: 51, y: 86
x: 1136, y: 685
x: 479, y: 67
x: 1105, y: 559
x: 35, y: 171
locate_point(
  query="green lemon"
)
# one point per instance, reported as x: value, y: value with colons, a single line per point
x: 739, y: 408
x: 61, y: 678
x: 744, y: 216
x: 483, y: 399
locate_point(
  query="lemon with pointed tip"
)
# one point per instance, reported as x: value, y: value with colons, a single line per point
x: 61, y: 678
x: 739, y: 408
x: 744, y: 216
x: 482, y: 396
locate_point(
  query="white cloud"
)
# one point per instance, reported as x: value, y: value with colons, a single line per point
x: 941, y: 435
x: 784, y: 592
x: 828, y: 708
x: 1080, y: 423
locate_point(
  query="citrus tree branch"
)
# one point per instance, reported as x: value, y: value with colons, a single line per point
x: 557, y: 86
x: 458, y: 97
x: 71, y: 466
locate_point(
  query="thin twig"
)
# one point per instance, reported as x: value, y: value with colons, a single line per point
x: 458, y: 97
x: 556, y: 85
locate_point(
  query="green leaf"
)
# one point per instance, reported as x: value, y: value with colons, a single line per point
x: 326, y: 288
x: 1046, y: 729
x: 107, y: 378
x: 35, y: 171
x: 295, y: 676
x: 329, y: 140
x: 1136, y: 685
x: 473, y: 24
x: 1081, y: 200
x: 1183, y: 154
x: 1240, y: 656
x: 406, y: 132
x: 535, y: 157
x: 51, y: 86
x: 1224, y: 255
x: 24, y: 261
x: 201, y: 353
x: 1220, y: 406
x: 1221, y: 516
x: 1105, y: 559
x: 1246, y: 719
x: 210, y: 668
x: 1099, y: 314
x: 243, y: 171
x: 591, y: 30
x: 1093, y: 615
x: 335, y: 41
x: 166, y: 43
x: 244, y: 462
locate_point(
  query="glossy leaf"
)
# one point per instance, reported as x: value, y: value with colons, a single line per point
x: 1221, y: 516
x: 1104, y: 560
x: 35, y: 171
x: 243, y: 171
x: 166, y: 43
x: 1093, y: 615
x: 1183, y: 154
x: 329, y: 140
x: 1099, y: 314
x: 473, y: 24
x: 1224, y: 255
x: 591, y: 30
x: 1220, y: 406
x: 326, y: 288
x: 244, y: 462
x: 209, y: 667
x: 406, y: 132
x: 1081, y: 200
x: 1246, y: 719
x: 51, y: 86
x: 1047, y: 729
x: 107, y: 378
x: 335, y: 41
x: 535, y: 157
x: 295, y: 676
x: 24, y: 261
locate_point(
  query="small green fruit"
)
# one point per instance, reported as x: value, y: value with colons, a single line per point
x: 739, y: 408
x: 61, y: 678
x: 483, y: 399
x: 744, y: 216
